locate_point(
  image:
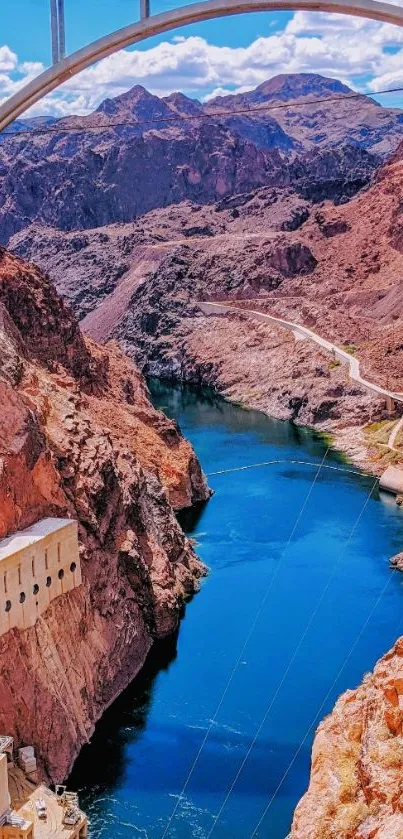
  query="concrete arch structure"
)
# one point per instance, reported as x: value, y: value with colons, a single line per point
x: 157, y: 24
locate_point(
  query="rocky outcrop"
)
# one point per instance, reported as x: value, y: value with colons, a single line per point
x: 355, y: 790
x: 85, y: 172
x: 78, y: 437
x: 329, y: 114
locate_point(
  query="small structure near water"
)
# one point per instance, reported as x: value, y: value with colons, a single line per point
x: 392, y: 480
x: 29, y: 810
x: 36, y: 566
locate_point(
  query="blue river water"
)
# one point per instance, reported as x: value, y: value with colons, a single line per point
x: 306, y: 565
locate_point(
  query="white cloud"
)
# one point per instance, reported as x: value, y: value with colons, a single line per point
x: 351, y: 49
x: 8, y: 59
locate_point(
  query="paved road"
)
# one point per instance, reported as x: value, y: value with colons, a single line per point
x: 303, y: 331
x: 393, y: 434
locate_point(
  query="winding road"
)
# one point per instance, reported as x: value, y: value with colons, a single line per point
x: 303, y: 332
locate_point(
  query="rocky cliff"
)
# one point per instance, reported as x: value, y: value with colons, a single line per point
x: 334, y: 269
x: 355, y: 791
x: 78, y: 437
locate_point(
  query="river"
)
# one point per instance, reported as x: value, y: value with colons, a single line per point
x: 331, y: 607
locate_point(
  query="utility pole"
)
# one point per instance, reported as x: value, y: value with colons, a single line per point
x: 57, y: 30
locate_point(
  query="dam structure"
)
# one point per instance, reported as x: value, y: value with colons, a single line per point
x: 36, y: 566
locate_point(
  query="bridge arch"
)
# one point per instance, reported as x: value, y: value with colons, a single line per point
x: 157, y: 24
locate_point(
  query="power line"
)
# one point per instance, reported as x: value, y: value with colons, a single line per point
x: 192, y: 117
x: 284, y: 461
x: 246, y: 642
x: 292, y: 659
x: 319, y: 712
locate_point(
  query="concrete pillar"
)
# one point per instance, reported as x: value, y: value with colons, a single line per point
x: 62, y: 30
x: 390, y: 406
x: 54, y: 30
x: 4, y: 794
x: 144, y: 9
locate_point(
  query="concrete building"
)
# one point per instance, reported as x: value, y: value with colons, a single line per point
x: 12, y: 825
x: 29, y: 810
x: 36, y: 566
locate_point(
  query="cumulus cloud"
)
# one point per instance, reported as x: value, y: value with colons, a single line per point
x: 355, y: 50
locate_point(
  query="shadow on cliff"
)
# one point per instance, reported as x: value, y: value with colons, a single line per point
x: 103, y: 761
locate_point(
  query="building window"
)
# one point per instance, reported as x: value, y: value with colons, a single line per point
x: 58, y: 551
x: 73, y: 567
x: 8, y: 605
x: 35, y: 589
x: 46, y: 560
x: 33, y: 567
x: 5, y: 583
x: 48, y: 581
x: 61, y: 574
x: 22, y: 597
x: 19, y: 575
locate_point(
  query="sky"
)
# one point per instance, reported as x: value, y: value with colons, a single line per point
x: 225, y: 55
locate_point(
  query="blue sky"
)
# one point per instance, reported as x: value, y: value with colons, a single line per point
x: 228, y: 54
x: 90, y: 19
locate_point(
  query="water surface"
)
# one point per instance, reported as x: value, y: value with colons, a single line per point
x: 316, y: 556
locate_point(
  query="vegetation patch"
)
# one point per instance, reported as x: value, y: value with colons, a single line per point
x: 377, y: 433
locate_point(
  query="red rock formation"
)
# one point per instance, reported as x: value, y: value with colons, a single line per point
x: 355, y: 790
x: 78, y: 437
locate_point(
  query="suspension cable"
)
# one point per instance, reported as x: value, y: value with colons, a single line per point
x: 293, y: 657
x: 245, y: 644
x: 192, y: 117
x: 319, y: 712
x: 346, y: 470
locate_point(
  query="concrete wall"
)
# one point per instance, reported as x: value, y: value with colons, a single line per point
x: 4, y: 793
x: 32, y: 577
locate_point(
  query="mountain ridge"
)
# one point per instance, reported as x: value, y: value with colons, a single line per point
x: 86, y: 172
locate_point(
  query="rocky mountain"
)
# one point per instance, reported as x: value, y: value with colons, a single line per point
x: 329, y: 114
x: 335, y: 269
x: 138, y: 152
x: 78, y: 437
x: 238, y: 211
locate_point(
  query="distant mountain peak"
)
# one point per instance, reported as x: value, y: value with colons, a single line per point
x: 135, y: 98
x: 290, y: 85
x: 183, y: 104
x: 284, y: 87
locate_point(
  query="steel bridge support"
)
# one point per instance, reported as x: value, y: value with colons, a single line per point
x: 150, y: 25
x: 144, y: 9
x: 58, y: 30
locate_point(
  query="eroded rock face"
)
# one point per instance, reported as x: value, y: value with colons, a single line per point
x: 81, y: 179
x: 355, y: 791
x: 78, y: 437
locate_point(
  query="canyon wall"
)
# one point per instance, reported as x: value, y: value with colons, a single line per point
x: 355, y: 789
x: 79, y: 438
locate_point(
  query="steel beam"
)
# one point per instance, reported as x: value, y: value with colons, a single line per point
x: 55, y: 31
x: 157, y: 24
x: 144, y: 9
x: 61, y: 29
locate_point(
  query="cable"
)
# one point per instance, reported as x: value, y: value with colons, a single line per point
x: 292, y: 659
x: 319, y: 712
x: 240, y: 657
x: 193, y: 117
x: 295, y: 462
